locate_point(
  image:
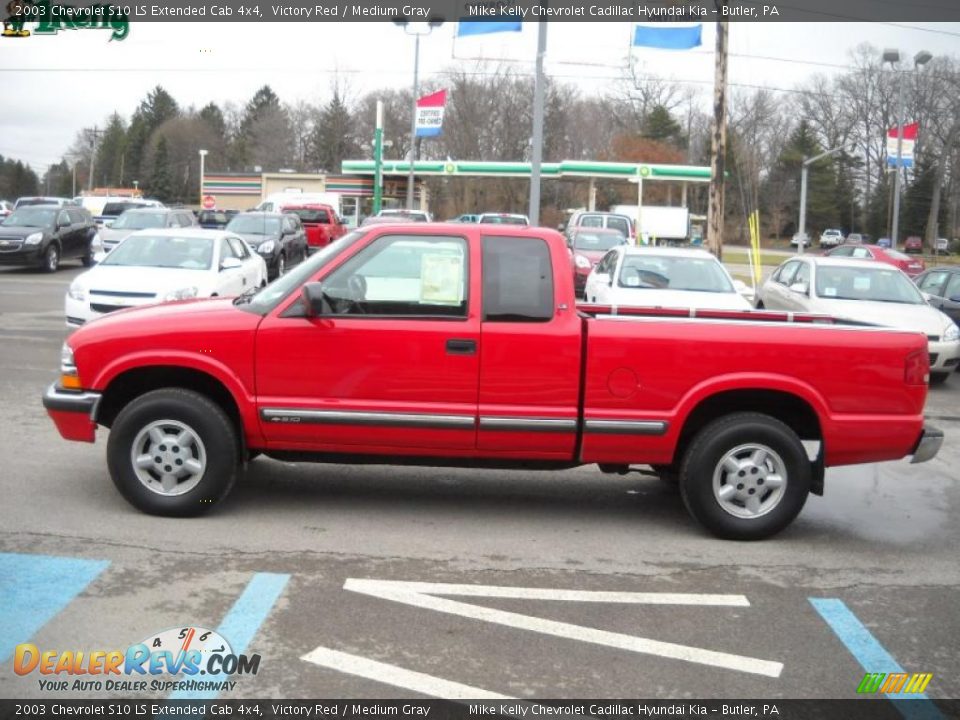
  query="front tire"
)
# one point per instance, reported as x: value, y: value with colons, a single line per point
x: 173, y: 452
x: 51, y: 258
x: 745, y: 476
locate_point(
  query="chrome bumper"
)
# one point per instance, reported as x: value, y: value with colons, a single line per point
x: 65, y: 401
x: 928, y: 445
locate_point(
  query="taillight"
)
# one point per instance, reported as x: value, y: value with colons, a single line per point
x: 916, y: 369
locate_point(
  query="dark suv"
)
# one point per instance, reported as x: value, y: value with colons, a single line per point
x: 278, y: 238
x: 43, y: 235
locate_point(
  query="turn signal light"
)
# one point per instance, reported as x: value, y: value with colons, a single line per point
x: 70, y: 382
x: 916, y: 370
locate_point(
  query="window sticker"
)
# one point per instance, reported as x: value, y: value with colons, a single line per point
x: 830, y: 292
x: 441, y: 279
x: 861, y: 284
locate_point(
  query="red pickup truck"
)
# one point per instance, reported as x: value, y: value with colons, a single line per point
x: 321, y: 223
x: 462, y: 345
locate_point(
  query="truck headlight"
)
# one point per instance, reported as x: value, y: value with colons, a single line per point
x: 265, y: 248
x: 69, y: 379
x: 181, y: 294
x: 951, y: 333
x: 582, y: 262
x: 34, y: 239
x: 76, y: 291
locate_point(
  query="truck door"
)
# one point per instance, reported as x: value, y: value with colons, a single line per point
x: 530, y: 358
x: 392, y: 367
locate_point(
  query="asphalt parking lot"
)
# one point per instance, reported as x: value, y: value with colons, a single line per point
x: 349, y: 581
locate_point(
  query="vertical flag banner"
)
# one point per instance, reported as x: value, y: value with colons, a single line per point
x: 430, y: 114
x: 668, y: 36
x: 906, y: 152
x: 466, y: 28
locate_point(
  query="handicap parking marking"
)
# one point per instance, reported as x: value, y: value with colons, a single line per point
x: 34, y: 589
x: 872, y: 656
x: 424, y: 595
x: 242, y: 622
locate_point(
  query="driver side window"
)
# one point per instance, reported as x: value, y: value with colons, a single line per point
x: 402, y: 276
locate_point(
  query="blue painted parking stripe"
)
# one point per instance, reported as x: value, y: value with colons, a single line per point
x: 241, y: 623
x: 33, y: 589
x: 872, y: 656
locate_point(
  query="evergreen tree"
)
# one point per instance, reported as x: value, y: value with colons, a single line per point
x: 110, y: 152
x: 658, y: 124
x: 916, y: 202
x: 823, y: 210
x: 154, y: 110
x: 160, y: 185
x: 213, y: 116
x: 332, y: 140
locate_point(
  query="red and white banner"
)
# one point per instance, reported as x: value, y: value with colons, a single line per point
x: 430, y: 114
x: 906, y: 146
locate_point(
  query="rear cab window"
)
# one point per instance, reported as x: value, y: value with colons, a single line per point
x: 517, y: 280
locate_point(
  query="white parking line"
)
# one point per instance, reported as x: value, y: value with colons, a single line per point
x: 397, y: 676
x: 422, y: 595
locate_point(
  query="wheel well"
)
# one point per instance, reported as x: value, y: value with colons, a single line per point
x: 789, y: 409
x: 133, y: 383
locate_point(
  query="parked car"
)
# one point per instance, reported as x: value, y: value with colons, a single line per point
x: 884, y: 242
x: 855, y: 239
x: 587, y: 246
x: 913, y: 244
x: 664, y: 277
x: 406, y: 215
x: 6, y: 207
x: 163, y: 265
x: 941, y: 286
x: 320, y: 221
x: 590, y: 218
x: 503, y: 219
x: 799, y: 239
x: 143, y: 218
x: 214, y: 219
x: 911, y: 266
x: 42, y: 200
x: 389, y: 346
x: 831, y: 238
x: 277, y: 237
x: 867, y: 292
x: 382, y: 220
x: 43, y: 235
x: 466, y: 218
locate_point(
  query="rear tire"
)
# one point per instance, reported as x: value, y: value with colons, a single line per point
x: 745, y: 476
x: 173, y: 452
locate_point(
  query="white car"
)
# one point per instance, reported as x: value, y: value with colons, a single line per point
x: 403, y: 215
x: 864, y: 291
x: 503, y: 219
x: 162, y: 265
x: 664, y: 277
x: 831, y: 238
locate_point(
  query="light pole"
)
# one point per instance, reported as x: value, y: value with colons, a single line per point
x: 415, y: 29
x: 807, y: 162
x: 892, y: 56
x: 203, y: 154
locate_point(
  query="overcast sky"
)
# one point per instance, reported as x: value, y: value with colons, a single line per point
x: 55, y: 85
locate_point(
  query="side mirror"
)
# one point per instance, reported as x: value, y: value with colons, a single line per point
x: 315, y: 301
x: 230, y: 263
x: 800, y: 287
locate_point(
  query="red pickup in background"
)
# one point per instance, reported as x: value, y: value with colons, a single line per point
x: 321, y: 222
x: 462, y: 345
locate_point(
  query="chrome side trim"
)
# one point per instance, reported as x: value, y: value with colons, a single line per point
x: 928, y: 445
x: 626, y: 427
x: 527, y: 424
x: 62, y: 400
x: 358, y: 417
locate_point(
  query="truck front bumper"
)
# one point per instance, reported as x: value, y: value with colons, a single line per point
x: 928, y: 445
x: 72, y: 412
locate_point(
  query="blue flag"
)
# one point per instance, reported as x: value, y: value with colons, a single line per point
x: 482, y: 27
x: 668, y: 37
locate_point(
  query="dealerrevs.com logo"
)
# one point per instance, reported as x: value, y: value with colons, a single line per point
x: 203, y: 656
x: 50, y: 18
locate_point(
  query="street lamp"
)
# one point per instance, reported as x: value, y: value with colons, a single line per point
x: 415, y: 29
x: 807, y: 162
x: 892, y: 56
x: 203, y: 154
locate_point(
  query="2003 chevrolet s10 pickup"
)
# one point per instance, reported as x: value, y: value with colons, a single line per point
x: 458, y: 345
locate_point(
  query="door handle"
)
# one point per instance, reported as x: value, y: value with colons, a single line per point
x: 461, y: 347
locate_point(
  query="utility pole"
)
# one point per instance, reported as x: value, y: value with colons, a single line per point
x: 378, y: 160
x: 536, y: 157
x: 94, y: 135
x: 718, y: 140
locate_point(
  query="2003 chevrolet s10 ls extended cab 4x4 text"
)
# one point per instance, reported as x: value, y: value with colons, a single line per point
x: 462, y: 345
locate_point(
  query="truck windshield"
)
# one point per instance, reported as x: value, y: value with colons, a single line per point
x: 273, y: 294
